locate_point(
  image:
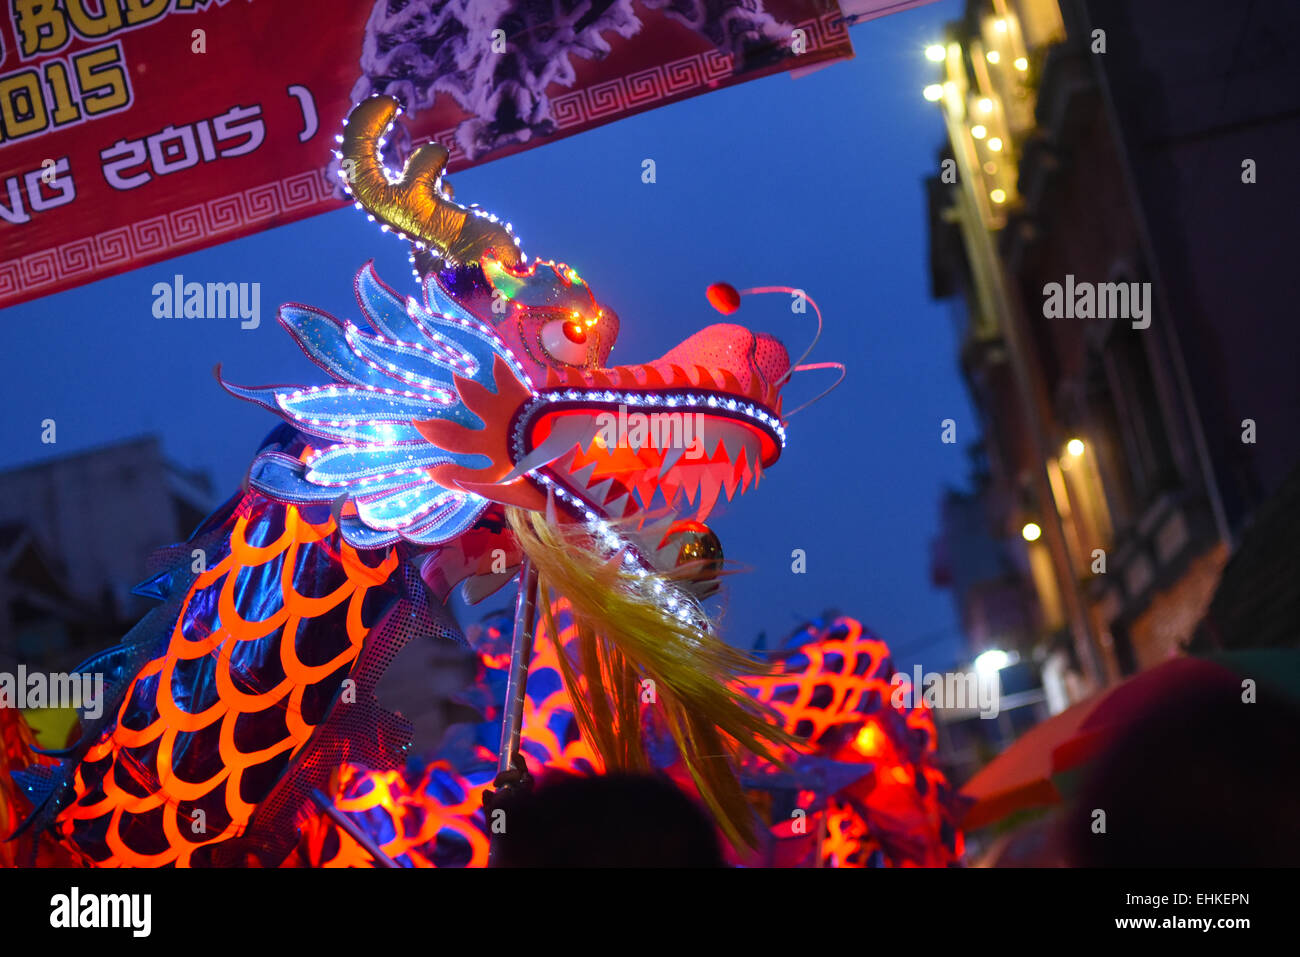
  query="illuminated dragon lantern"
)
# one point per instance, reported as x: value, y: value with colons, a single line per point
x: 458, y: 438
x: 867, y: 791
x: 430, y: 814
x: 859, y: 786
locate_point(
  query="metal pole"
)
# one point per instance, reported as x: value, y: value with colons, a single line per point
x: 512, y: 770
x: 521, y: 653
x: 346, y: 824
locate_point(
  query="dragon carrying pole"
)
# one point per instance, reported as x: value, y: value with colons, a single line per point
x: 521, y: 652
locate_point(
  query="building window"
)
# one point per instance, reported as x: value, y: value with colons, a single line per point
x: 1108, y: 444
x: 1137, y: 408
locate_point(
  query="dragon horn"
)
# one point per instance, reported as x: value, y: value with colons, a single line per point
x: 413, y: 204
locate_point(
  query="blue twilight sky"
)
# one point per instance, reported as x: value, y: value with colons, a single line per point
x: 814, y: 183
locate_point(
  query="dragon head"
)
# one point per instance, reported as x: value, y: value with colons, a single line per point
x: 497, y: 389
x: 675, y: 434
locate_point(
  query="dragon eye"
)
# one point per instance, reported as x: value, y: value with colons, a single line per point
x: 566, y: 340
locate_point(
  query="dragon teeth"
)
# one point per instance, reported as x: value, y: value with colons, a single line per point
x: 670, y: 458
x: 710, y: 485
x: 583, y: 477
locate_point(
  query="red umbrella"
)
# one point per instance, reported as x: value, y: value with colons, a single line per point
x: 1023, y: 775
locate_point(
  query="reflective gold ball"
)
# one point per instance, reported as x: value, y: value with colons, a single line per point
x: 699, y: 554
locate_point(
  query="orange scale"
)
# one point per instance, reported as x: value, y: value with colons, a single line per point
x: 146, y: 777
x: 294, y: 722
x: 350, y: 854
x: 86, y: 812
x: 97, y: 751
x: 478, y: 846
x: 302, y: 674
x: 193, y: 646
x: 380, y: 794
x: 232, y: 699
x: 299, y: 530
x: 150, y: 669
x: 184, y: 648
x: 472, y: 803
x: 301, y: 605
x: 124, y: 737
x: 141, y: 805
x: 357, y: 629
x: 126, y: 856
x: 211, y: 574
x: 237, y: 808
x: 171, y: 715
x: 427, y: 831
x: 236, y: 626
x: 239, y: 760
x: 183, y: 846
x: 249, y: 555
x: 473, y: 795
x: 419, y: 859
x: 175, y: 787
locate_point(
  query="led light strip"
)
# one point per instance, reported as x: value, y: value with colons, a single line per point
x: 464, y: 365
x: 394, y: 179
x: 671, y: 597
x: 744, y: 409
x: 416, y: 312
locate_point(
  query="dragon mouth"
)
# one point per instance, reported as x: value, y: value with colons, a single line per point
x: 635, y: 454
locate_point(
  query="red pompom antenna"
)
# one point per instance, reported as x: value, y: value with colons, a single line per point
x: 723, y: 297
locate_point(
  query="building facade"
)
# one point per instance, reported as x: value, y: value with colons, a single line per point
x: 75, y: 535
x: 1106, y: 212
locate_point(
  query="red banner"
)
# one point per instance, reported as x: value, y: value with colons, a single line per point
x: 136, y: 130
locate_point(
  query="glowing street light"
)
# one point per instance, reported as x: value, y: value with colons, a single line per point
x: 933, y: 92
x: 991, y: 662
x: 1031, y: 532
x: 935, y: 53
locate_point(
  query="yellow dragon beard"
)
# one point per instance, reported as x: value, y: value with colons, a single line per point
x: 625, y: 638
